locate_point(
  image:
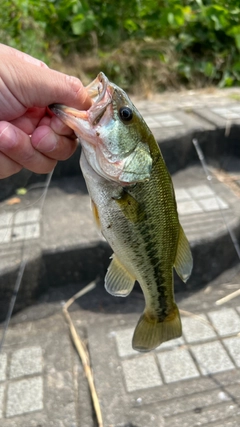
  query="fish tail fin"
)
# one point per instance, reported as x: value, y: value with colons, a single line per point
x: 150, y: 332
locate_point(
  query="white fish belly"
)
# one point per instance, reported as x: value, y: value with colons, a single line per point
x: 123, y: 236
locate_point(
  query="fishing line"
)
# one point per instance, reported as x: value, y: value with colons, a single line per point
x: 23, y: 263
x: 209, y: 178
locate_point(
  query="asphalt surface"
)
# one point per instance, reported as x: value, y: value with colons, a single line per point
x: 191, y: 381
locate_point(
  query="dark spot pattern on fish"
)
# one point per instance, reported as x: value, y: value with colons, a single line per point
x: 158, y: 273
x: 132, y: 209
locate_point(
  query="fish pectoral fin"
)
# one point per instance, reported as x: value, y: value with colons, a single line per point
x: 183, y: 262
x: 150, y: 332
x: 118, y: 281
x: 131, y: 208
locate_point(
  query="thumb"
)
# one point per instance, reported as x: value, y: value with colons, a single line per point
x: 36, y: 86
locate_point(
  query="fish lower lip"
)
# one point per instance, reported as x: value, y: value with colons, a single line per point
x: 54, y: 107
x: 97, y: 90
x: 60, y: 109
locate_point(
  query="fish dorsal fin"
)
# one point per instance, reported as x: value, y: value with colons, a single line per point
x: 118, y: 281
x: 183, y: 262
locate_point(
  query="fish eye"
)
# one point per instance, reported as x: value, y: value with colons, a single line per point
x: 125, y: 114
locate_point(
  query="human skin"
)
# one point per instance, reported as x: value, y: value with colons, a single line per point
x: 30, y: 136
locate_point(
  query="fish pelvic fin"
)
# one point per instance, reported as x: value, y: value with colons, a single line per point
x: 118, y: 281
x: 150, y: 332
x: 183, y: 262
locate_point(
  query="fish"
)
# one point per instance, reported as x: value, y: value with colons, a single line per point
x: 134, y: 207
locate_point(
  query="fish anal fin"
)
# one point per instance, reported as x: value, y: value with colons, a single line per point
x: 118, y: 281
x: 183, y: 262
x: 150, y: 332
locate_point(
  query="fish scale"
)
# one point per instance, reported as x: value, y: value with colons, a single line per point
x: 134, y: 207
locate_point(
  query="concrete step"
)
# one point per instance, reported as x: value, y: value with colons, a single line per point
x: 61, y: 245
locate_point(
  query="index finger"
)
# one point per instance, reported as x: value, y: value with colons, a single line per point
x: 32, y: 87
x: 22, y: 55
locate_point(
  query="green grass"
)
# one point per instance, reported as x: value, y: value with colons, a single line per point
x: 148, y: 44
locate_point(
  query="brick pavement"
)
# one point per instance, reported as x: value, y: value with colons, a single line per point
x: 39, y: 376
x: 193, y: 380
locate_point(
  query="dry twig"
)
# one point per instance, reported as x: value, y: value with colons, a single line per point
x: 195, y: 316
x: 229, y: 180
x: 82, y: 350
x: 228, y: 297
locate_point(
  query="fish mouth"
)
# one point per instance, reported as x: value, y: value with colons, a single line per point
x: 100, y: 138
x: 100, y: 91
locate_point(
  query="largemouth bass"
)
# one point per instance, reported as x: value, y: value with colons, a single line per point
x: 134, y: 206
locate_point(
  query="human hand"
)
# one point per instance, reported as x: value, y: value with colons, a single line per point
x: 29, y: 136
